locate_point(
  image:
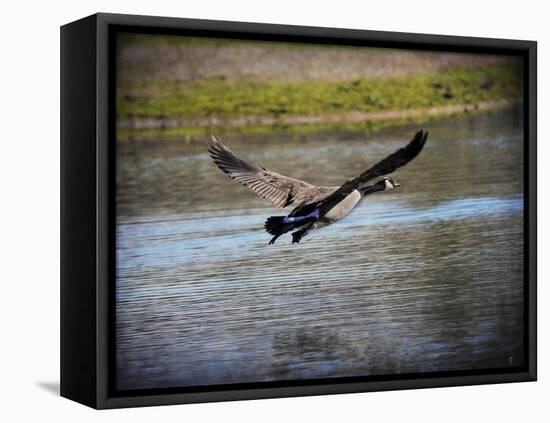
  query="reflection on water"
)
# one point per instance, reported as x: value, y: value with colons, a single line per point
x: 427, y: 277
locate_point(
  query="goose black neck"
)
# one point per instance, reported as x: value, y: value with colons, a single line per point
x: 379, y: 186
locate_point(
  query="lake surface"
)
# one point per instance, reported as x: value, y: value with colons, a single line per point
x: 427, y: 277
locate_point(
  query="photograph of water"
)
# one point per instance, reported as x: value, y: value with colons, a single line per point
x: 427, y: 277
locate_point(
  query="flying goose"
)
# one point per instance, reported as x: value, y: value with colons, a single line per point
x: 315, y: 206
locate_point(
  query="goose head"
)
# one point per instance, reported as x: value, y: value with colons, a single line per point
x: 390, y: 183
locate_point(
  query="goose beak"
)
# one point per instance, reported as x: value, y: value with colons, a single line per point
x: 396, y: 184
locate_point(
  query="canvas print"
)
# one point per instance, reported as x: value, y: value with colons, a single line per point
x: 297, y: 211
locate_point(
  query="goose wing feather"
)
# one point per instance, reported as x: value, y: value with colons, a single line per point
x: 278, y: 189
x: 384, y: 167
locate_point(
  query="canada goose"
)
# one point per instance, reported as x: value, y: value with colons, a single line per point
x: 315, y: 206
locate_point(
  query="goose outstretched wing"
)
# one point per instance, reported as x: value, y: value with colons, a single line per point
x: 384, y: 167
x: 279, y: 189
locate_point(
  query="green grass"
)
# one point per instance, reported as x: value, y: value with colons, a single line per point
x: 219, y: 98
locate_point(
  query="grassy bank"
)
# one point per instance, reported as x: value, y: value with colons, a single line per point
x: 191, y: 109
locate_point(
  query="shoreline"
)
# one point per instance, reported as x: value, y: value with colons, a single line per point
x: 148, y: 129
x: 139, y: 123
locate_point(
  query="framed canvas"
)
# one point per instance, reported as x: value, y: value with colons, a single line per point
x: 217, y: 242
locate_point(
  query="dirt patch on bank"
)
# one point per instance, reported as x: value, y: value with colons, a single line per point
x: 156, y: 57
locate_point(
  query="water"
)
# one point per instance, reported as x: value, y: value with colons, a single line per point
x: 427, y: 277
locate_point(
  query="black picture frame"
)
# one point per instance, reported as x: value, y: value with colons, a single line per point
x: 87, y: 209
